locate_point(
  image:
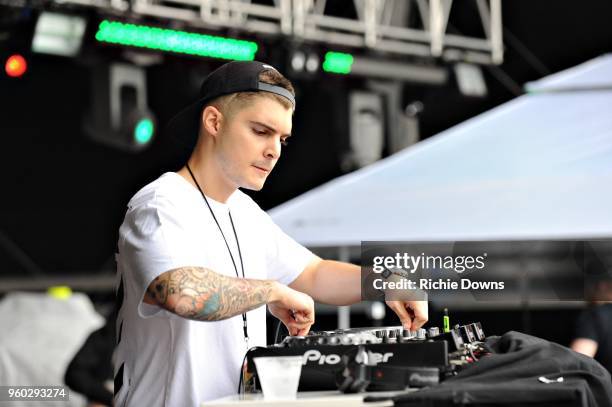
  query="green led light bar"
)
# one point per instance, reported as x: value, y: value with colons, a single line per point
x: 338, y: 62
x: 181, y: 42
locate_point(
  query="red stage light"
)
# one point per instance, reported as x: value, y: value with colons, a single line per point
x: 15, y: 66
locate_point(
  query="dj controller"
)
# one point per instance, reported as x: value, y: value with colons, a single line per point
x: 385, y: 358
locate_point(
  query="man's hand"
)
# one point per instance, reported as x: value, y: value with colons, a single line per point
x: 412, y: 314
x: 293, y: 308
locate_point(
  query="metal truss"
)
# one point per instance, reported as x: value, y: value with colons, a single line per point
x: 380, y: 24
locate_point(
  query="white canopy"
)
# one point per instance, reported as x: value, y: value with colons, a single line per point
x: 539, y: 166
x: 40, y: 336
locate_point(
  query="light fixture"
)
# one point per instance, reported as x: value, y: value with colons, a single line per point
x: 470, y: 79
x: 15, y: 66
x: 312, y: 63
x: 119, y: 115
x: 338, y: 62
x: 182, y: 42
x: 58, y: 34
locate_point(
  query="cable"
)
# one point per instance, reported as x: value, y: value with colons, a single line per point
x: 502, y: 77
x: 242, y: 367
x: 526, y: 53
x: 472, y: 353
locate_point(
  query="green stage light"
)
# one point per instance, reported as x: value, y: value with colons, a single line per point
x: 143, y: 132
x: 181, y: 42
x: 338, y: 62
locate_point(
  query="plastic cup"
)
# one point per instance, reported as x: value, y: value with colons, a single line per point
x: 279, y: 376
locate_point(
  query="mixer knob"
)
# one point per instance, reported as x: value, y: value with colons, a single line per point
x: 347, y: 340
x: 421, y: 333
x: 433, y: 331
x: 295, y: 341
x: 333, y: 340
x: 407, y: 336
x: 379, y: 334
x: 321, y: 341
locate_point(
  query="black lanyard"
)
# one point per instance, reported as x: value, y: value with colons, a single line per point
x: 244, y: 318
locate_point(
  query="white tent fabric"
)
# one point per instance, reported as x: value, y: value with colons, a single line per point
x: 537, y: 167
x: 40, y: 336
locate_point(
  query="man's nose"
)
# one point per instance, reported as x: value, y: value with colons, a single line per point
x: 273, y: 148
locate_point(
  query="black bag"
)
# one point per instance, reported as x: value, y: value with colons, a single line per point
x: 511, y: 376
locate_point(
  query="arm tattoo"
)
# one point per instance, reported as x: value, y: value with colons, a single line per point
x: 201, y: 294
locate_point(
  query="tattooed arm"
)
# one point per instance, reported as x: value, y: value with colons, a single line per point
x: 201, y: 294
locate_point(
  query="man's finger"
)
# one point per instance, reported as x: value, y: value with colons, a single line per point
x: 297, y: 328
x: 420, y: 309
x: 292, y: 328
x: 298, y: 325
x: 307, y: 315
x: 300, y: 330
x: 301, y: 318
x: 304, y: 331
x: 402, y: 313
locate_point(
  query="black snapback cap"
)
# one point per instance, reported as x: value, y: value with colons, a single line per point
x: 232, y: 77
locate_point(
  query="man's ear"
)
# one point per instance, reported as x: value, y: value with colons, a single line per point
x: 212, y: 119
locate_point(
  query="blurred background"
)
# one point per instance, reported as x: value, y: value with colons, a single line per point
x: 433, y: 120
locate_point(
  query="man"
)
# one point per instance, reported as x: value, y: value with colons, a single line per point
x: 593, y: 329
x: 198, y: 258
x: 90, y: 372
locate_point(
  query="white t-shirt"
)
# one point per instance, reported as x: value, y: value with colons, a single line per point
x: 162, y: 359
